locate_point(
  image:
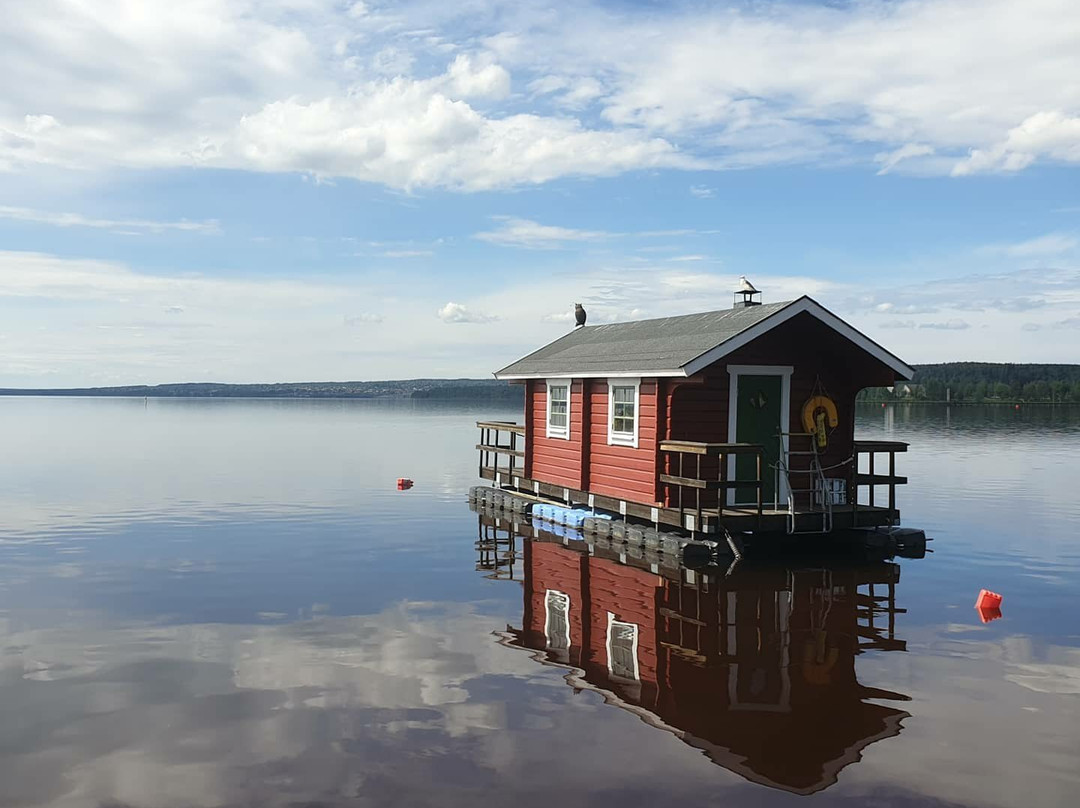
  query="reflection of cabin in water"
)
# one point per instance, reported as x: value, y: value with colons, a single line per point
x: 742, y: 418
x: 757, y: 669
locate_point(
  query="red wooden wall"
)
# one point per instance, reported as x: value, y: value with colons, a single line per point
x: 552, y: 566
x: 554, y: 460
x: 623, y: 471
x: 586, y: 462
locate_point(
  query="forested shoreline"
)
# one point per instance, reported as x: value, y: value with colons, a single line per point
x: 985, y: 383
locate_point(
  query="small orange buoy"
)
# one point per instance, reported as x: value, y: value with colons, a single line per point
x: 988, y: 600
x: 404, y: 483
x: 989, y: 613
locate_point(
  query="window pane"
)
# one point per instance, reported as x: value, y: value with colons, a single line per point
x: 558, y: 406
x: 622, y: 660
x: 622, y: 412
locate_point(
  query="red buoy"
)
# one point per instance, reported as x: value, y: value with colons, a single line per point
x: 989, y: 613
x: 404, y: 483
x: 987, y: 600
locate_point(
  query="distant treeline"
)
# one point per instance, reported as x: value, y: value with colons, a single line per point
x: 985, y: 382
x: 455, y: 389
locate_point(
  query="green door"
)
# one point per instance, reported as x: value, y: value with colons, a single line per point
x: 757, y: 420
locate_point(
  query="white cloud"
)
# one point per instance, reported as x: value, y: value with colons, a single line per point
x: 889, y: 160
x: 948, y: 325
x: 377, y: 95
x: 458, y: 313
x: 514, y: 232
x: 78, y: 220
x: 408, y: 253
x: 1050, y: 244
x: 117, y: 325
x: 407, y: 134
x: 466, y: 80
x: 1045, y: 134
x: 702, y: 191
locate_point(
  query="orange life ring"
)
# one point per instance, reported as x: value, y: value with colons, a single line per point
x: 818, y: 413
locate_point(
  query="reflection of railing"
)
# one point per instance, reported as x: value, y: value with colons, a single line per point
x: 708, y: 475
x: 871, y: 479
x: 496, y: 547
x: 493, y: 444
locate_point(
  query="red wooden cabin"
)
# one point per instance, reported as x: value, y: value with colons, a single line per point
x: 742, y: 418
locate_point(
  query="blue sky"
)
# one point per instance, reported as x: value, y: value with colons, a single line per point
x: 287, y: 190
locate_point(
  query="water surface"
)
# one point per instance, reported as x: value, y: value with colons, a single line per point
x: 209, y: 603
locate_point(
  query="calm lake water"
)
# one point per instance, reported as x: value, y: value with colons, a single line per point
x: 209, y: 603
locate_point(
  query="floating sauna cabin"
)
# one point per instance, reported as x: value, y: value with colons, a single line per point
x: 740, y: 420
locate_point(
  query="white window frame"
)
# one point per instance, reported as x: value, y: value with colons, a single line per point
x: 563, y: 598
x: 612, y: 621
x: 560, y: 432
x: 624, y: 438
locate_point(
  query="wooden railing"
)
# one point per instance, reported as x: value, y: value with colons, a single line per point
x: 713, y: 478
x: 494, y: 444
x: 873, y: 476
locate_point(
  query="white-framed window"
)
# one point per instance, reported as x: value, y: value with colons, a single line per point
x: 623, y: 411
x: 557, y: 623
x: 558, y: 408
x: 622, y: 648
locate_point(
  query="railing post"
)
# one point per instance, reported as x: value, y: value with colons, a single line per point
x: 853, y: 485
x: 760, y: 485
x: 872, y: 486
x: 892, y: 481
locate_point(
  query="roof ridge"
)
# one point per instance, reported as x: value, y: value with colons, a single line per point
x: 778, y: 303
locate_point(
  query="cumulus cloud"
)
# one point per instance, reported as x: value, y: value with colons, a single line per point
x: 1051, y: 134
x: 458, y: 313
x: 391, y: 96
x: 702, y: 191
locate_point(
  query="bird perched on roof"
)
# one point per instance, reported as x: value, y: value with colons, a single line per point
x: 745, y: 285
x: 579, y: 314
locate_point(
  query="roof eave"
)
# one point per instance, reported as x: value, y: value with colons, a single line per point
x: 803, y: 304
x: 679, y: 373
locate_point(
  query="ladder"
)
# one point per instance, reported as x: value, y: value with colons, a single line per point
x: 809, y: 481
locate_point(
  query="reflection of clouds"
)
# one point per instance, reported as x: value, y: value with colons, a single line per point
x: 975, y: 737
x: 189, y: 715
x: 419, y: 705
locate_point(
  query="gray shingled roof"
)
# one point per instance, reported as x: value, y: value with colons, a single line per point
x: 648, y: 347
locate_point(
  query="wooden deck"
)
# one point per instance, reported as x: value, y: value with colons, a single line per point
x: 735, y: 519
x: 688, y: 491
